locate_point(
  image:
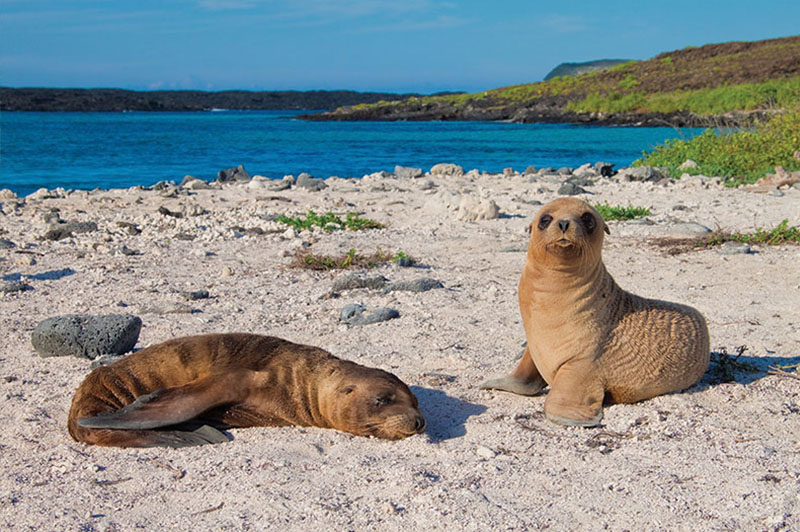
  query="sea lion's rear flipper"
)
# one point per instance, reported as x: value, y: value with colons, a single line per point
x: 203, y: 435
x: 171, y: 437
x: 171, y: 406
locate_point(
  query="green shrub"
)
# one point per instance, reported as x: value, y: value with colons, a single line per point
x: 629, y: 82
x: 330, y: 222
x: 739, y: 157
x: 619, y: 212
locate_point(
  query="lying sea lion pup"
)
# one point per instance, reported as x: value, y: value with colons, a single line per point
x: 159, y: 396
x: 587, y: 338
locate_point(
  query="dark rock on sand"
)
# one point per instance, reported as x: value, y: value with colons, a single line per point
x: 354, y: 281
x: 166, y: 212
x: 131, y: 228
x: 233, y: 175
x: 8, y: 287
x: 196, y: 294
x: 570, y: 189
x: 642, y: 173
x: 125, y: 250
x: 312, y: 183
x: 403, y: 172
x: 84, y: 335
x: 604, y: 169
x: 580, y: 181
x: 6, y: 244
x: 52, y: 217
x: 66, y: 230
x: 283, y: 184
x: 417, y: 285
x: 354, y: 314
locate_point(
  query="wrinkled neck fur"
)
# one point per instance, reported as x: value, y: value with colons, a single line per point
x: 328, y: 380
x: 568, y: 274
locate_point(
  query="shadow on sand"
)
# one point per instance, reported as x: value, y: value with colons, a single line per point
x: 445, y: 415
x: 52, y: 275
x: 739, y: 368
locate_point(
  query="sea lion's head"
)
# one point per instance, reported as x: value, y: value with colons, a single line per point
x: 371, y: 402
x: 567, y: 232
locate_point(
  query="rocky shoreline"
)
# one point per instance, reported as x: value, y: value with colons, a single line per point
x: 194, y: 257
x: 547, y: 113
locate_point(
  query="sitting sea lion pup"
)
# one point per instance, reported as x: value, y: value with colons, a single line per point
x: 157, y: 396
x: 587, y: 338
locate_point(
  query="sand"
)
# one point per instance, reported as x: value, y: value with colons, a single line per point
x: 719, y: 456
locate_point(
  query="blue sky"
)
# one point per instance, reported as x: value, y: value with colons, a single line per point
x: 383, y: 45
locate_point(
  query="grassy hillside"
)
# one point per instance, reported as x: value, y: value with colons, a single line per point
x: 685, y: 85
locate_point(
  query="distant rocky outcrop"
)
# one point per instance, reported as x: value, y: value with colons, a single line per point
x: 576, y: 69
x: 40, y: 99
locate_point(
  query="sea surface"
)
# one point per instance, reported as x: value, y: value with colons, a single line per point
x: 119, y: 150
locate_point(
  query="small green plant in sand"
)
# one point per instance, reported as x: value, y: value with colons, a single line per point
x: 330, y: 222
x: 618, y: 212
x: 352, y: 259
x: 783, y: 233
x: 723, y: 365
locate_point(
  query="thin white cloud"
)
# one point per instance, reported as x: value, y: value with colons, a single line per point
x: 328, y: 9
x: 564, y: 23
x: 226, y: 5
x: 437, y: 23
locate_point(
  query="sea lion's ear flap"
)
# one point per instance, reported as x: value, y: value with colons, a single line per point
x: 605, y: 228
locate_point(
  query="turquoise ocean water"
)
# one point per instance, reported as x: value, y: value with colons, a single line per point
x: 118, y: 150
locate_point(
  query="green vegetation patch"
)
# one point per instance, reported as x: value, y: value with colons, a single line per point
x: 783, y: 233
x: 618, y: 212
x: 738, y: 157
x: 352, y: 259
x: 330, y: 222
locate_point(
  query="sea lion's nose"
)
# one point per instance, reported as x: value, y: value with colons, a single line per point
x: 419, y: 425
x: 563, y: 225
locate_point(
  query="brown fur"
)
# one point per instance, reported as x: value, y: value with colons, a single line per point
x: 235, y: 380
x: 587, y: 338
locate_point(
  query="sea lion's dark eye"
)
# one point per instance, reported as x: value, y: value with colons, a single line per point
x: 544, y: 221
x: 347, y: 389
x: 384, y: 400
x: 589, y: 222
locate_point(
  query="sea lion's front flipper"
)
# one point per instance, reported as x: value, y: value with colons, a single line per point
x: 524, y: 380
x: 171, y: 406
x: 576, y: 395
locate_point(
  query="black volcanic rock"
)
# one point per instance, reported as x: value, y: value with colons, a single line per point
x: 83, y: 335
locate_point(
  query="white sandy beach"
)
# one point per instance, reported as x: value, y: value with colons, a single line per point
x: 719, y: 456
